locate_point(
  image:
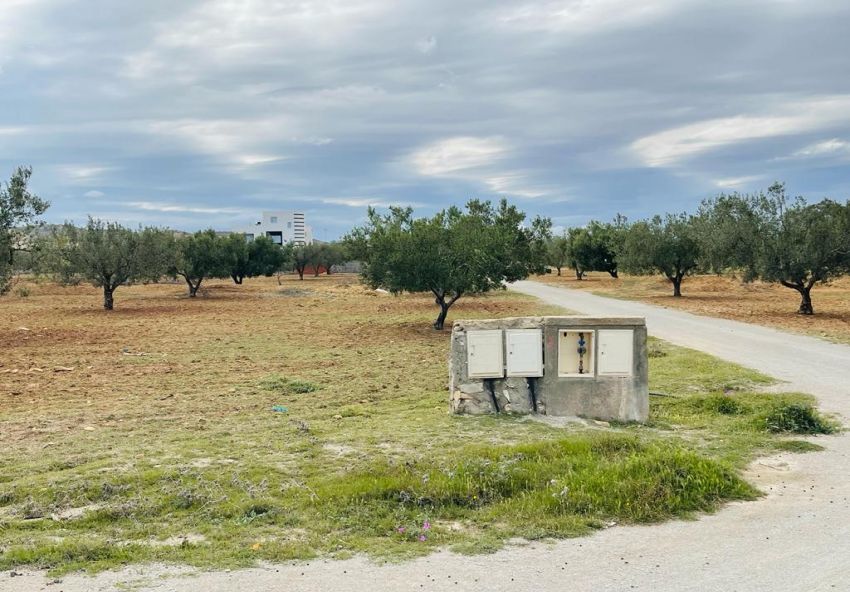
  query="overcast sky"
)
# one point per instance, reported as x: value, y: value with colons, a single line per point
x: 198, y: 113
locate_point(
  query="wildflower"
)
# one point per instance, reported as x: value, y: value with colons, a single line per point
x: 426, y: 525
x: 401, y: 529
x: 421, y: 538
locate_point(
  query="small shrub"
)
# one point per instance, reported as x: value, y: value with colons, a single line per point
x: 301, y: 387
x: 724, y: 405
x: 655, y: 350
x: 22, y: 292
x: 32, y: 510
x: 796, y: 418
x: 283, y: 385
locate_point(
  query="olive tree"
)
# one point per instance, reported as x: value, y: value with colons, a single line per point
x: 19, y: 209
x: 595, y: 247
x: 199, y: 256
x: 558, y: 253
x: 304, y: 256
x: 265, y: 257
x: 330, y: 254
x: 453, y: 253
x: 604, y: 240
x: 774, y: 239
x: 109, y: 255
x: 235, y: 251
x: 665, y: 245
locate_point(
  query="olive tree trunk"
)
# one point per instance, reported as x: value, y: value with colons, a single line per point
x: 193, y: 286
x: 805, y: 291
x: 444, y: 305
x: 108, y: 301
x: 676, y: 280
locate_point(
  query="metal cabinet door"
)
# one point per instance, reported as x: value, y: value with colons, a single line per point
x: 484, y: 354
x: 525, y: 352
x: 616, y: 352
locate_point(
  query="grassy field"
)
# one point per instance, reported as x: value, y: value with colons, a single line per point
x: 758, y: 302
x: 271, y: 422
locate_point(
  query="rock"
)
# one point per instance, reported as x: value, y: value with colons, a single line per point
x: 471, y: 388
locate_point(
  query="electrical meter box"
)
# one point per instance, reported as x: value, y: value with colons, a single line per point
x: 593, y: 367
x: 616, y: 352
x: 525, y: 352
x: 484, y: 354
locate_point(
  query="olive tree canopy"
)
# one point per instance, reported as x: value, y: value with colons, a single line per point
x: 453, y: 253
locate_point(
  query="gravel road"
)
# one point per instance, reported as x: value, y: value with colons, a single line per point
x: 797, y: 538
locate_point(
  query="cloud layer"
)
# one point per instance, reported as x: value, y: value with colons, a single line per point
x: 205, y: 112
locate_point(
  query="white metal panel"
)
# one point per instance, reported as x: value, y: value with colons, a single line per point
x: 484, y: 354
x: 616, y: 352
x: 525, y: 352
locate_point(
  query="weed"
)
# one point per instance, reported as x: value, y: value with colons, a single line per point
x: 32, y: 509
x: 286, y: 386
x: 654, y: 350
x: 724, y: 405
x: 796, y: 418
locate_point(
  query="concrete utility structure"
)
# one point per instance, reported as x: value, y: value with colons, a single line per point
x: 593, y: 367
x: 282, y: 228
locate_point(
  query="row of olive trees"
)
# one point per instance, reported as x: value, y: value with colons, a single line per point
x: 454, y: 253
x: 764, y: 236
x: 109, y: 255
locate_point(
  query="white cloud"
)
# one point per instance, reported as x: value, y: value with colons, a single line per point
x: 514, y: 184
x: 152, y: 206
x: 94, y: 194
x: 14, y: 26
x: 476, y: 159
x: 363, y: 202
x: 227, y: 33
x: 83, y: 174
x: 238, y: 142
x: 671, y: 146
x: 453, y: 155
x: 584, y: 16
x: 314, y: 141
x: 737, y: 182
x: 826, y: 148
x: 258, y: 159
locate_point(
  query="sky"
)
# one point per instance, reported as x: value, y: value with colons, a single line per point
x: 204, y: 113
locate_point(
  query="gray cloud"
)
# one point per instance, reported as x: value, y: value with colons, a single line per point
x: 199, y: 113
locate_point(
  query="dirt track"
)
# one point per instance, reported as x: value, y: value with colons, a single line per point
x: 796, y: 538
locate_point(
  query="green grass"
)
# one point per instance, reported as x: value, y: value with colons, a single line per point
x: 287, y: 386
x: 786, y: 417
x: 366, y: 459
x: 798, y: 446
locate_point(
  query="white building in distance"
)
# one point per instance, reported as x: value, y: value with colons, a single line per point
x: 282, y: 228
